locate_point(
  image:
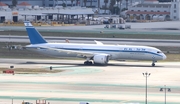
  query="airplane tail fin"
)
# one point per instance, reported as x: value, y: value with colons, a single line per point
x: 34, y: 36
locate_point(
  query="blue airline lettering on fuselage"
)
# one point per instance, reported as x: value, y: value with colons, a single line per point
x: 134, y: 49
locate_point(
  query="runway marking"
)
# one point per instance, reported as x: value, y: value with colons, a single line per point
x: 76, y: 71
x: 110, y: 86
x: 83, y: 99
x: 44, y: 98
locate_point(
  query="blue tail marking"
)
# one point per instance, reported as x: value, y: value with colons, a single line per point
x: 34, y: 36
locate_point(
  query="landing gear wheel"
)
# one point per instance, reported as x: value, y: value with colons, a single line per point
x: 153, y: 64
x: 88, y: 63
x: 85, y: 63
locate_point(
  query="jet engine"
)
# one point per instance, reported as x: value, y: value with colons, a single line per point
x: 101, y: 59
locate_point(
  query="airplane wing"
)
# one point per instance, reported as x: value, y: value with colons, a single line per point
x: 79, y: 53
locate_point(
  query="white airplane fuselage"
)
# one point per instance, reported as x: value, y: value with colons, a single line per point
x: 98, y: 53
x: 116, y: 52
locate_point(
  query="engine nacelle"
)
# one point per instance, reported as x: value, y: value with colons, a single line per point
x: 101, y: 59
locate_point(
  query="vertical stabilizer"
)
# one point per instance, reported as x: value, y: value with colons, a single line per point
x: 34, y: 36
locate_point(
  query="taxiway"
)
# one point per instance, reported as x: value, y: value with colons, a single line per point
x: 115, y: 41
x: 119, y: 82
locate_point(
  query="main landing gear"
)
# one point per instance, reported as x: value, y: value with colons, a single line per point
x: 88, y: 63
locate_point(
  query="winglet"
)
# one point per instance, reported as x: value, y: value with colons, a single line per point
x: 34, y: 36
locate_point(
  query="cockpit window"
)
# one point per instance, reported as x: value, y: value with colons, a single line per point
x: 159, y: 52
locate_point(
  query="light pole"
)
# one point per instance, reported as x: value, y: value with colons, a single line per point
x: 146, y: 75
x: 12, y: 99
x: 165, y: 89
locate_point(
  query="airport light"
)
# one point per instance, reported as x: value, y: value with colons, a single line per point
x: 165, y: 90
x: 146, y: 75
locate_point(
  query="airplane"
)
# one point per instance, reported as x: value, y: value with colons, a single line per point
x: 98, y: 53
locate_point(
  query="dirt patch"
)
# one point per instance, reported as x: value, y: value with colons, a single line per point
x: 30, y: 70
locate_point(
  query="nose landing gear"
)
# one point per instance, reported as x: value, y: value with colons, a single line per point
x: 153, y: 63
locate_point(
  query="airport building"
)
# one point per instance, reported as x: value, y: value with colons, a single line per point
x: 32, y: 2
x: 25, y: 11
x: 154, y: 10
x: 53, y: 3
x: 35, y: 10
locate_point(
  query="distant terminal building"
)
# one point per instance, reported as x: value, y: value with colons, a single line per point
x: 50, y: 10
x: 25, y: 11
x: 52, y: 3
x: 155, y: 10
x: 32, y: 2
x: 53, y: 10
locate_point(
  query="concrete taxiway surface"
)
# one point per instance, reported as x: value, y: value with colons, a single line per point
x: 117, y: 83
x: 165, y: 28
x: 115, y: 41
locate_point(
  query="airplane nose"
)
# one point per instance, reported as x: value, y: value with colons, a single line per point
x: 164, y: 57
